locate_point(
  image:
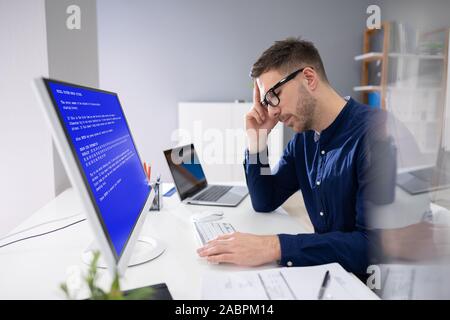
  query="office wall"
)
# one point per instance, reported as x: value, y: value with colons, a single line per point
x: 72, y: 57
x: 35, y: 42
x: 25, y: 158
x: 157, y: 53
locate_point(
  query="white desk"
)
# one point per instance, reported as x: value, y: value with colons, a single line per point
x: 33, y: 269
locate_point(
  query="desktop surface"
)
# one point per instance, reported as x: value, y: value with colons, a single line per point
x: 33, y: 269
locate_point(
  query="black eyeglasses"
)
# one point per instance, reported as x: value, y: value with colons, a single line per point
x: 271, y: 98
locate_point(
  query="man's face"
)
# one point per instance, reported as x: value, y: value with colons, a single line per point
x: 297, y: 105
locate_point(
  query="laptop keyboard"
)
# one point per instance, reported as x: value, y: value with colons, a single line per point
x: 212, y: 194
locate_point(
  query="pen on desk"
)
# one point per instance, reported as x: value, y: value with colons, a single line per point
x: 147, y: 170
x: 324, y: 285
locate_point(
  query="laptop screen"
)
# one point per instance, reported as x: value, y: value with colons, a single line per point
x: 187, y: 172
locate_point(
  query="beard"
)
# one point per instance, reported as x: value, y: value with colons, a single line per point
x: 304, y: 110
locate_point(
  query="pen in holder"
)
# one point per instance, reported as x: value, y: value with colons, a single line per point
x: 158, y: 201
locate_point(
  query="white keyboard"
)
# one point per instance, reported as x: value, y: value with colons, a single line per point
x: 207, y: 231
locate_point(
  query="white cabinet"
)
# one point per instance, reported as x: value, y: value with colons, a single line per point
x: 217, y: 131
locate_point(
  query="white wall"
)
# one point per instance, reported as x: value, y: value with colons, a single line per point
x: 26, y: 177
x: 72, y: 57
x: 158, y: 53
x: 217, y: 131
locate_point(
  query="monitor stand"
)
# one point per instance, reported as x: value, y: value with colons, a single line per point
x: 145, y: 249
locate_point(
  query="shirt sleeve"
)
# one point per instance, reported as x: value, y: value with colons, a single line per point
x: 268, y: 190
x: 349, y: 249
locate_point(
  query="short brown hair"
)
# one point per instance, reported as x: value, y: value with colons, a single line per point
x: 287, y: 55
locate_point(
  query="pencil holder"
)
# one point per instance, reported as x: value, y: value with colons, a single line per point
x: 158, y: 201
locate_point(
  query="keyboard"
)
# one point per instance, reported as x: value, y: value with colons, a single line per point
x: 213, y: 193
x: 207, y: 231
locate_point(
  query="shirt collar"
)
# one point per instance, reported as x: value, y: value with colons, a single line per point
x: 316, y: 136
x: 330, y: 131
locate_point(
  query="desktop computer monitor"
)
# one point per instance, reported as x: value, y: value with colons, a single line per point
x: 96, y: 146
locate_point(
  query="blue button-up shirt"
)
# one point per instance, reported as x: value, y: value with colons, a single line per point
x: 332, y: 171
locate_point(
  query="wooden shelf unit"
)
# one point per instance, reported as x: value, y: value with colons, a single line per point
x: 368, y: 57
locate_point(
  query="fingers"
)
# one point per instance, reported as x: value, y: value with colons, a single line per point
x: 255, y: 115
x: 216, y: 242
x: 217, y: 249
x: 220, y: 245
x: 221, y: 258
x: 214, y: 247
x: 226, y: 236
x: 256, y: 93
x: 261, y: 111
x: 257, y: 102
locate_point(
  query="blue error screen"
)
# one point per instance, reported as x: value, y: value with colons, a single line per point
x: 98, y: 132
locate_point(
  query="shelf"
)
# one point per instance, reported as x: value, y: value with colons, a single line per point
x: 417, y: 56
x: 370, y: 56
x: 421, y: 121
x: 415, y: 89
x: 367, y: 88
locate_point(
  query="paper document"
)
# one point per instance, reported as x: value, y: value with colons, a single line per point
x: 414, y: 282
x: 299, y: 283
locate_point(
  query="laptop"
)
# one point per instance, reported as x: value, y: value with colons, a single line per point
x: 427, y: 179
x: 191, y: 183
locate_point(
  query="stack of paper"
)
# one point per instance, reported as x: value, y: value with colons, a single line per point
x: 300, y: 283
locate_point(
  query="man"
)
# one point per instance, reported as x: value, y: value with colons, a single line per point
x: 326, y: 160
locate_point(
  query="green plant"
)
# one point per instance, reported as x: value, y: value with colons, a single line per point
x: 96, y: 293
